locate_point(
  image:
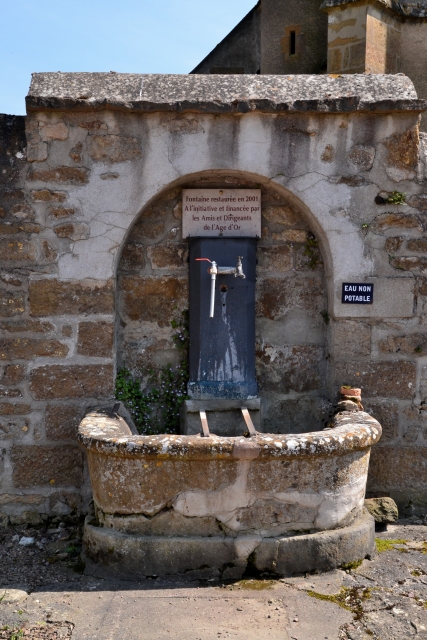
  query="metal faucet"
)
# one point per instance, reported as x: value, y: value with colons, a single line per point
x: 214, y: 270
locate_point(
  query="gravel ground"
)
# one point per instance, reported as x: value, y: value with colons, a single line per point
x: 45, y: 596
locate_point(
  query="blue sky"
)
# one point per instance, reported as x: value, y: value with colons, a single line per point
x: 162, y: 36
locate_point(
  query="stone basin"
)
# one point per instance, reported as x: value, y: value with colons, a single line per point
x: 223, y: 506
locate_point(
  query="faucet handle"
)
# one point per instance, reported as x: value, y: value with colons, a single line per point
x: 200, y: 260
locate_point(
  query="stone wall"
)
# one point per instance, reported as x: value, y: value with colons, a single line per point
x: 93, y: 259
x: 310, y: 26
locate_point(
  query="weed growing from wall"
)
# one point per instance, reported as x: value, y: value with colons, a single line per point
x: 312, y: 251
x: 157, y: 410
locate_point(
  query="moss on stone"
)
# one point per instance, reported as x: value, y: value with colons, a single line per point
x: 386, y: 545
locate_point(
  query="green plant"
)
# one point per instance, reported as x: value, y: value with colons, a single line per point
x: 386, y: 545
x: 312, y: 251
x: 365, y: 225
x: 396, y: 197
x: 326, y: 317
x: 418, y: 349
x: 157, y: 409
x: 349, y: 566
x: 350, y: 599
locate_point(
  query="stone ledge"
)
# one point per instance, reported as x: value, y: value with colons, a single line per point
x: 129, y: 557
x: 351, y: 432
x: 222, y: 93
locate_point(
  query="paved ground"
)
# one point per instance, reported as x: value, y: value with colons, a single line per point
x: 43, y: 596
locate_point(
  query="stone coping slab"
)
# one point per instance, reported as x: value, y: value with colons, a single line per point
x: 222, y: 93
x: 352, y: 431
x: 407, y: 8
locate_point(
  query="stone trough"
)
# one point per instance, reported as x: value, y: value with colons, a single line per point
x: 227, y: 506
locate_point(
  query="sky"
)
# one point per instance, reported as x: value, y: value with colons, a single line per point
x: 149, y: 36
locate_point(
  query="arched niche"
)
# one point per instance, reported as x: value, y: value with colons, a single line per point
x: 292, y: 318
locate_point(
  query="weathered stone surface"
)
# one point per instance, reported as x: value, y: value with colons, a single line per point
x: 14, y: 409
x: 352, y: 337
x: 219, y: 94
x: 168, y: 256
x: 149, y: 227
x: 62, y: 421
x: 65, y: 502
x: 13, y: 427
x: 166, y: 523
x: 362, y: 156
x: 403, y: 149
x: 383, y: 510
x: 387, y: 414
x: 53, y: 131
x: 399, y: 220
x: 133, y: 257
x: 64, y: 175
x: 290, y: 235
x: 276, y: 296
x: 17, y: 250
x: 153, y: 299
x: 393, y: 244
x: 392, y: 468
x: 19, y: 498
x: 288, y: 368
x: 95, y: 339
x: 410, y: 263
x: 45, y: 195
x: 12, y: 374
x: 275, y: 258
x: 283, y: 214
x: 58, y: 213
x: 22, y: 211
x: 417, y: 245
x: 10, y: 393
x: 386, y: 379
x: 76, y: 153
x: 423, y: 383
x: 73, y: 381
x: 26, y: 325
x: 112, y: 148
x: 418, y: 202
x: 35, y: 466
x: 11, y: 303
x: 74, y: 231
x: 29, y: 348
x: 54, y: 298
x: 49, y: 252
x: 413, y: 343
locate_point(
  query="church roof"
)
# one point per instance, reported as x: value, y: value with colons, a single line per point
x: 408, y: 8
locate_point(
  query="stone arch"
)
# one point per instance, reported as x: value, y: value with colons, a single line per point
x: 292, y: 292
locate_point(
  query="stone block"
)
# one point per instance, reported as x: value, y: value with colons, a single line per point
x: 387, y: 414
x: 275, y: 258
x: 76, y: 153
x: 95, y: 339
x: 414, y: 264
x: 72, y: 230
x: 423, y: 383
x: 133, y: 257
x: 13, y: 428
x: 148, y: 228
x: 13, y: 374
x: 45, y: 195
x: 166, y: 523
x: 397, y: 220
x: 290, y: 235
x: 352, y: 338
x: 392, y: 468
x: 65, y: 502
x: 383, y: 510
x: 168, y: 256
x: 11, y: 303
x: 412, y: 344
x: 49, y: 252
x: 29, y: 518
x: 277, y: 296
x: 362, y: 156
x: 282, y: 214
x: 417, y: 245
x: 387, y: 379
x: 22, y: 211
x: 14, y: 409
x: 35, y: 466
x: 403, y: 149
x: 55, y: 297
x: 26, y: 325
x: 393, y: 244
x: 153, y: 299
x: 62, y: 421
x: 289, y: 368
x: 17, y: 250
x: 73, y: 381
x: 29, y: 348
x: 418, y: 202
x: 62, y: 175
x: 58, y: 213
x: 393, y: 298
x: 20, y: 498
x: 54, y: 131
x: 10, y: 393
x: 112, y: 148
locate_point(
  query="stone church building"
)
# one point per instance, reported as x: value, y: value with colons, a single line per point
x: 317, y: 105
